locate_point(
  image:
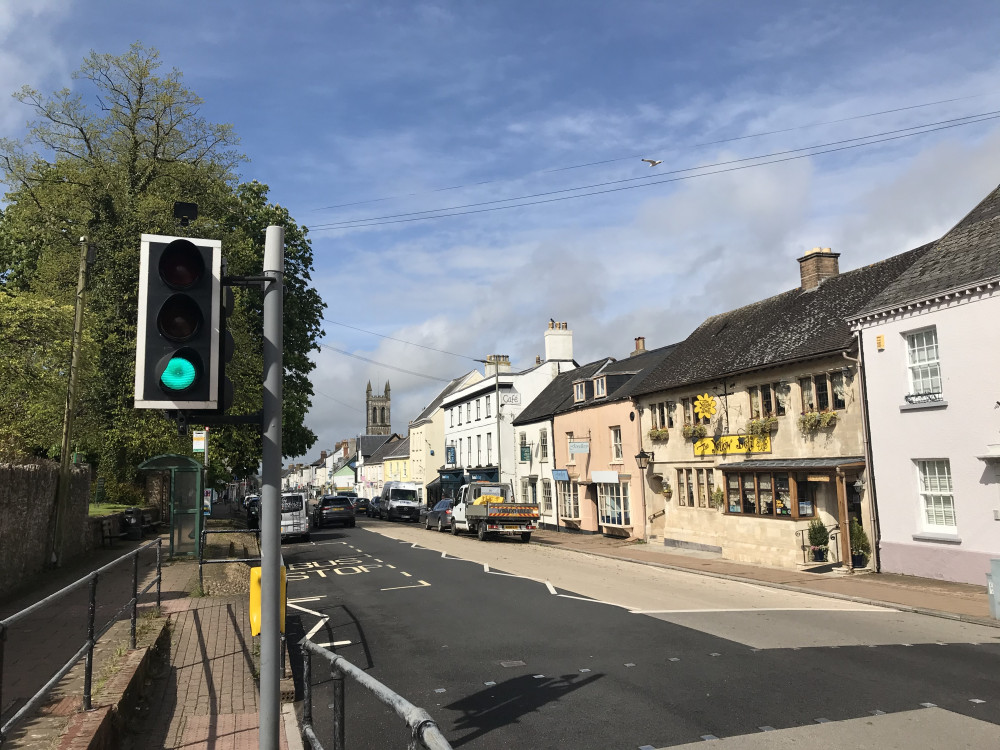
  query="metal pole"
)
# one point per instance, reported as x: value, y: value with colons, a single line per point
x: 3, y: 641
x: 270, y: 497
x: 159, y: 570
x: 338, y: 708
x: 62, y: 490
x: 88, y: 673
x: 307, y: 709
x: 135, y: 599
x: 496, y: 372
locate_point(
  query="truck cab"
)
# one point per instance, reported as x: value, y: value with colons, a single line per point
x: 488, y: 508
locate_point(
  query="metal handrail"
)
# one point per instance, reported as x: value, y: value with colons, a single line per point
x: 218, y: 560
x: 87, y: 650
x: 423, y: 729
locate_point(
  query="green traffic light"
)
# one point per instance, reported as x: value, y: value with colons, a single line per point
x: 178, y: 374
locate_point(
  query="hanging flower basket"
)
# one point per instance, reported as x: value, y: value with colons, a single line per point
x: 762, y: 427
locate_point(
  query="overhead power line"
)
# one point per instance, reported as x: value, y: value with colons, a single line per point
x: 383, y: 364
x: 651, y: 150
x: 401, y: 341
x: 816, y: 150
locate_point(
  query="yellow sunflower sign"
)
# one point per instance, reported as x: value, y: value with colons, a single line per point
x: 704, y: 406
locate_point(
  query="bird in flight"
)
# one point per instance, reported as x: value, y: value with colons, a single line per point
x: 653, y: 162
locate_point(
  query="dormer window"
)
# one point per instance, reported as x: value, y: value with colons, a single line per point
x: 579, y: 392
x: 600, y: 387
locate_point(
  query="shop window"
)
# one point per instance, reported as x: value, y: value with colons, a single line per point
x: 569, y: 499
x: 613, y: 504
x: 762, y: 494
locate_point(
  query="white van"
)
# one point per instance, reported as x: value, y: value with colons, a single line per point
x: 294, y: 516
x: 400, y: 500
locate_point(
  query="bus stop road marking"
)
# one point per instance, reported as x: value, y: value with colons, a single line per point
x: 420, y: 584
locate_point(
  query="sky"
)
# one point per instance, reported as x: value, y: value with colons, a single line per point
x: 440, y: 153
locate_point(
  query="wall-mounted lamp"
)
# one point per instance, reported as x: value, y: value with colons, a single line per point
x: 642, y: 460
x: 859, y: 485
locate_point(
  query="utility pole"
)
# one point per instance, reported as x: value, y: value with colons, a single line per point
x: 270, y: 496
x: 496, y: 372
x: 62, y: 489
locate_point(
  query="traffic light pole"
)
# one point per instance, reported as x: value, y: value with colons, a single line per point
x: 270, y: 505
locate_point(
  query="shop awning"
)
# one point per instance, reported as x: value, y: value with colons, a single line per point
x: 793, y: 463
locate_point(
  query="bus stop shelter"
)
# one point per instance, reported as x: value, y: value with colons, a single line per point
x: 186, y: 515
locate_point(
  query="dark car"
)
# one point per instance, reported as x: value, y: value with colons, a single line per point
x: 373, y: 508
x: 253, y: 511
x: 360, y: 504
x: 333, y: 509
x: 439, y: 516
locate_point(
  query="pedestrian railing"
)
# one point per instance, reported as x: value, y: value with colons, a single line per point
x: 86, y: 651
x: 424, y: 731
x: 202, y: 560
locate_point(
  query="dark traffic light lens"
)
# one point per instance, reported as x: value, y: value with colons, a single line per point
x: 179, y: 318
x: 181, y: 264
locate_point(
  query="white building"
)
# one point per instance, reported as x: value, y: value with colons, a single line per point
x: 479, y: 434
x: 930, y: 348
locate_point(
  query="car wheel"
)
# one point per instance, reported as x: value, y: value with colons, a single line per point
x: 525, y: 536
x: 454, y: 528
x: 440, y: 525
x: 481, y: 532
x: 308, y: 536
x: 427, y: 523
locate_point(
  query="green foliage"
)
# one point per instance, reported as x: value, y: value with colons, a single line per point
x: 111, y: 172
x: 694, y: 431
x: 810, y: 421
x: 860, y: 545
x: 718, y: 497
x: 761, y: 427
x: 659, y: 433
x: 819, y: 536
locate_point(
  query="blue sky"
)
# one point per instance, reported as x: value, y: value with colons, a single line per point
x: 388, y: 105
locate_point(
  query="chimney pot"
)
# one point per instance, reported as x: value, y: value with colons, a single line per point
x: 640, y: 346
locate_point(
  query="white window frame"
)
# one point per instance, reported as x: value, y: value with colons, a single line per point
x: 543, y: 444
x: 468, y: 411
x: 579, y: 392
x: 613, y: 506
x: 569, y: 500
x: 525, y: 496
x: 923, y: 361
x: 489, y: 448
x: 478, y: 405
x: 487, y: 407
x: 600, y: 387
x: 617, y: 453
x: 479, y: 450
x: 937, y: 495
x: 546, y: 496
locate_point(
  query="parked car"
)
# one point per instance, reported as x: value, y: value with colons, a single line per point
x: 333, y: 509
x: 439, y: 516
x: 252, y: 505
x: 373, y: 507
x: 360, y: 504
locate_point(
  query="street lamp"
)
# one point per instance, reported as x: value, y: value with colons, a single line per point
x: 642, y: 461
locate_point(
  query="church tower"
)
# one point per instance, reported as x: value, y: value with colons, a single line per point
x: 377, y: 411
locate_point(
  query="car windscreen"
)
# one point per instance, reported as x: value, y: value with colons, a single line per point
x: 444, y: 505
x: 291, y: 503
x: 404, y: 495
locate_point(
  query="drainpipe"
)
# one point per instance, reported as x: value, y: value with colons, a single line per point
x: 866, y: 437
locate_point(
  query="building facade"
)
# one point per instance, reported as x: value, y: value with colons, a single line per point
x: 378, y: 414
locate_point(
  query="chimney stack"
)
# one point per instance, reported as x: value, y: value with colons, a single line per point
x: 558, y: 342
x: 322, y: 455
x: 817, y: 265
x: 497, y: 364
x: 640, y: 346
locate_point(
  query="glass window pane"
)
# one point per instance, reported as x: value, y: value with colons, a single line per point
x: 749, y: 494
x: 733, y: 493
x: 766, y: 403
x: 766, y: 494
x: 783, y: 496
x: 808, y: 401
x: 822, y: 394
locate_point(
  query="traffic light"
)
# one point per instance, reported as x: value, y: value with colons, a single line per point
x: 177, y: 363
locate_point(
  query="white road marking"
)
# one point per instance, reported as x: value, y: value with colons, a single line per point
x: 306, y: 599
x: 976, y: 700
x: 754, y: 609
x: 551, y: 588
x: 390, y: 566
x: 316, y: 627
x: 334, y: 644
x: 595, y: 601
x: 406, y: 574
x: 420, y: 584
x: 303, y: 609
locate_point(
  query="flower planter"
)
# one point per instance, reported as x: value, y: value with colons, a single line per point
x: 859, y: 561
x: 819, y: 555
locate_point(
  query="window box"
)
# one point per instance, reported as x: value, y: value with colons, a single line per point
x: 762, y: 427
x: 694, y: 431
x: 661, y: 433
x: 811, y: 421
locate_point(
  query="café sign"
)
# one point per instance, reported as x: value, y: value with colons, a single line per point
x: 726, y: 444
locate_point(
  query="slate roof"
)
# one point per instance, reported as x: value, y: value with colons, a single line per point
x: 967, y: 254
x: 791, y: 326
x: 557, y: 393
x: 433, y: 406
x: 398, y: 449
x: 383, y: 450
x: 557, y: 397
x: 795, y: 463
x: 368, y: 444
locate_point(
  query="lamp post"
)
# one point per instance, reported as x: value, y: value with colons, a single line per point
x: 495, y: 361
x: 642, y: 461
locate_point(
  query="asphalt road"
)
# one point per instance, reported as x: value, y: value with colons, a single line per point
x: 512, y: 645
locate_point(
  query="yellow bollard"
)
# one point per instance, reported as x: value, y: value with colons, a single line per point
x: 255, y: 601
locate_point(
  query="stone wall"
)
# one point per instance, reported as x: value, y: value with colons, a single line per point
x: 27, y: 507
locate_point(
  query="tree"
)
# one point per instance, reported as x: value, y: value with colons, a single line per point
x: 112, y: 172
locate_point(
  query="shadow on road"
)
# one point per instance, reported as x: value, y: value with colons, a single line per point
x: 504, y: 703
